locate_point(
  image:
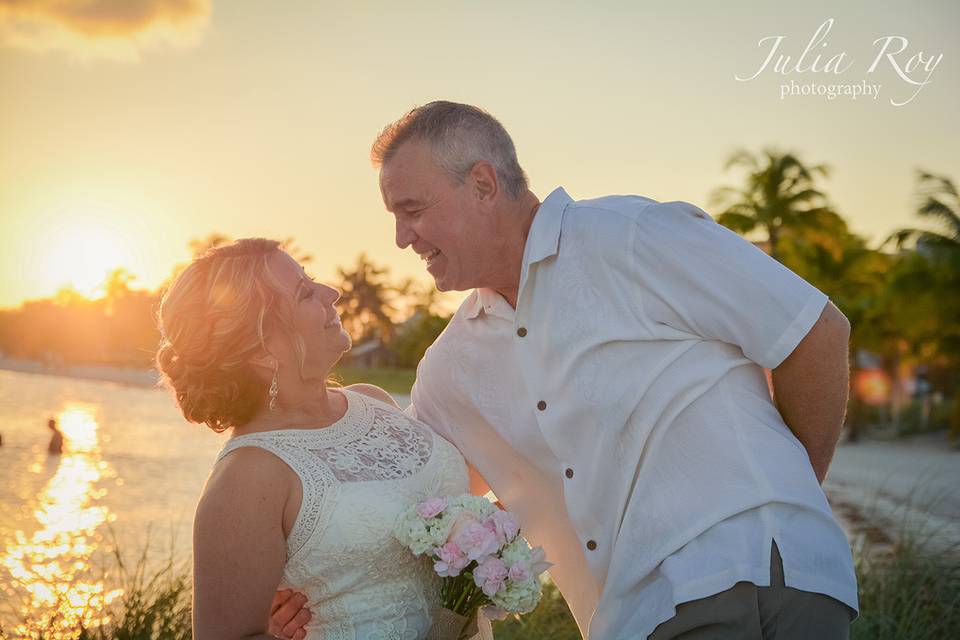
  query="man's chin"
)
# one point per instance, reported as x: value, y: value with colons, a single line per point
x: 445, y: 284
x: 443, y: 287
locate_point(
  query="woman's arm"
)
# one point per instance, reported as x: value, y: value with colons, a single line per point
x: 239, y: 545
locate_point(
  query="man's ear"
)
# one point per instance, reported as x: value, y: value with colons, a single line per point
x: 483, y: 175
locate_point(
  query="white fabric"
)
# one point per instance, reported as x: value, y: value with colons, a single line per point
x: 647, y: 325
x: 357, y: 475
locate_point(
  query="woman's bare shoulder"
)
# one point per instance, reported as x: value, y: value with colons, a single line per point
x: 374, y: 392
x: 247, y: 475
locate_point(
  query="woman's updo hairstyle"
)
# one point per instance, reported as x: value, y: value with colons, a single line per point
x: 213, y: 318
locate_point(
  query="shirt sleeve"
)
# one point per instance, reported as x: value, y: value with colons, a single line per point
x: 423, y: 404
x: 701, y: 278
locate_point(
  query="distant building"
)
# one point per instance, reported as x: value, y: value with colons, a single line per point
x: 369, y: 353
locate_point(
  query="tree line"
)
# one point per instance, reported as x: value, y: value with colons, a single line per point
x: 119, y: 329
x: 902, y: 296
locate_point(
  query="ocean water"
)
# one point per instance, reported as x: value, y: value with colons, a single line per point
x: 131, y: 468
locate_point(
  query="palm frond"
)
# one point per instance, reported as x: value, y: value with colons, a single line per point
x: 741, y: 158
x: 738, y: 222
x: 934, y: 209
x: 901, y: 237
x: 937, y: 184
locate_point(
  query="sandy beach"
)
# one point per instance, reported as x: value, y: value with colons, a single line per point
x: 105, y: 373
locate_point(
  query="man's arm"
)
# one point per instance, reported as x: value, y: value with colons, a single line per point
x: 811, y: 387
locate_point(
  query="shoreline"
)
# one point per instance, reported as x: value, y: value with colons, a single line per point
x: 131, y: 376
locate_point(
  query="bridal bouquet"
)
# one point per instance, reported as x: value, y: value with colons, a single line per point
x: 478, y: 551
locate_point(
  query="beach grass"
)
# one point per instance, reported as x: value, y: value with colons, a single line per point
x: 140, y: 600
x: 551, y: 619
x: 907, y: 592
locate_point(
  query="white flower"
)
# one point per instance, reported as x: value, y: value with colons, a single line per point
x: 519, y: 551
x: 411, y: 530
x: 477, y: 505
x: 518, y: 597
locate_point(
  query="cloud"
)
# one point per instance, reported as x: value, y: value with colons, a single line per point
x: 117, y: 29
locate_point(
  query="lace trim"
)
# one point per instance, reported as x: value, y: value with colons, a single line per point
x: 349, y: 450
x: 396, y: 449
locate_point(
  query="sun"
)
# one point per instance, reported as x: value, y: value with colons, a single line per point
x: 81, y: 256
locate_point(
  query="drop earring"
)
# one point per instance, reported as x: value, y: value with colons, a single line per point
x: 274, y: 387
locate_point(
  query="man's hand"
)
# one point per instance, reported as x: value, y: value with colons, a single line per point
x: 811, y: 387
x: 288, y: 615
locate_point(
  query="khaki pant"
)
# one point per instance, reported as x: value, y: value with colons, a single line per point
x: 749, y: 612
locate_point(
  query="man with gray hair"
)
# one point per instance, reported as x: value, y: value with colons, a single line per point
x: 605, y: 378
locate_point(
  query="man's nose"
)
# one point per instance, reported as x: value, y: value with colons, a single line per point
x: 404, y: 235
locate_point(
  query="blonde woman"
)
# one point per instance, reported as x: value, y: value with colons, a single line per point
x: 305, y: 491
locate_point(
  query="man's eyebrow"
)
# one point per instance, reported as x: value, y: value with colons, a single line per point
x: 406, y: 202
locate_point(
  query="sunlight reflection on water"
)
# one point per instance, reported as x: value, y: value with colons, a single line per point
x: 51, y: 568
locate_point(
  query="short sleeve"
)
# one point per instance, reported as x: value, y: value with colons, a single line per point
x: 699, y: 277
x: 423, y: 404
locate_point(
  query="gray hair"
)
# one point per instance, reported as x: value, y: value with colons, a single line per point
x: 460, y: 135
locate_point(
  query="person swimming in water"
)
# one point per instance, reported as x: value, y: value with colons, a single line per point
x: 56, y: 440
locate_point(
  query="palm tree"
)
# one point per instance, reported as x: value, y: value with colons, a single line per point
x: 779, y: 199
x: 365, y: 306
x: 939, y: 203
x: 931, y: 275
x: 199, y: 246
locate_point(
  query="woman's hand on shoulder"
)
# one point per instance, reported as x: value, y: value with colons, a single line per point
x: 374, y: 392
x: 239, y: 544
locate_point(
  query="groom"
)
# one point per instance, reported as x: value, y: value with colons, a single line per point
x: 605, y: 377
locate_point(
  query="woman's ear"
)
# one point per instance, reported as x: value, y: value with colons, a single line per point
x: 264, y: 364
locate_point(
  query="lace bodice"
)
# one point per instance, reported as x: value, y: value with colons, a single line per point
x: 357, y: 475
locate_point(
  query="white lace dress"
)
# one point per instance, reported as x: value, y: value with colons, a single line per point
x: 357, y: 475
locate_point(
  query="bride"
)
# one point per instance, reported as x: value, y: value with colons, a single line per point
x: 305, y: 491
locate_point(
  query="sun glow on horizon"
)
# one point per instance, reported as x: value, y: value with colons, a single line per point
x: 80, y: 257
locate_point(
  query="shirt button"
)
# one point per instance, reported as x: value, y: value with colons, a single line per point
x: 542, y: 405
x: 522, y: 332
x: 591, y: 545
x: 569, y: 473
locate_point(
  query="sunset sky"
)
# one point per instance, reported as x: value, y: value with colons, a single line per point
x: 129, y: 127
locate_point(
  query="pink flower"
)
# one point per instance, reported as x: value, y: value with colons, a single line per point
x: 519, y: 572
x: 493, y: 612
x: 474, y: 539
x: 432, y: 507
x: 452, y: 560
x: 463, y: 520
x: 538, y: 561
x: 504, y: 525
x: 490, y: 575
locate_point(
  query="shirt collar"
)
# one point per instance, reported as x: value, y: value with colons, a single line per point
x: 543, y: 241
x: 486, y: 300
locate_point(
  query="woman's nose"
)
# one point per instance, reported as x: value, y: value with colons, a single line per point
x: 332, y: 294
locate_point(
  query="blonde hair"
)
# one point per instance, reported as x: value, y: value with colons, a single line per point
x: 213, y: 318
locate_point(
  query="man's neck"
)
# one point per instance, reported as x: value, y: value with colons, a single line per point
x: 525, y: 212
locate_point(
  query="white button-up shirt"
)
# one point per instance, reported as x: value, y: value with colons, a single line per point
x: 622, y: 411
